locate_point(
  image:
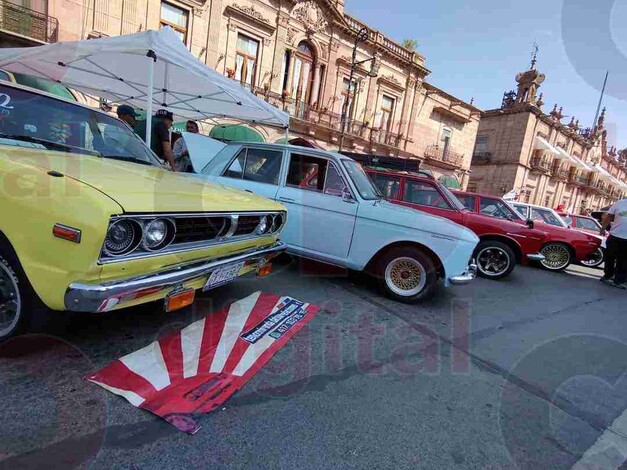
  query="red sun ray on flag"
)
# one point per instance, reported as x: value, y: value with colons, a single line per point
x: 196, y: 369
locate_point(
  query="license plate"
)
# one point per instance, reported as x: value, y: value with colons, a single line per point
x: 223, y: 275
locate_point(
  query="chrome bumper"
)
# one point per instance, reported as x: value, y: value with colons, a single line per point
x: 535, y: 257
x: 467, y: 276
x: 88, y: 297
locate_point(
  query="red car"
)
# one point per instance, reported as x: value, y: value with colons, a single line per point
x: 503, y: 242
x: 563, y: 245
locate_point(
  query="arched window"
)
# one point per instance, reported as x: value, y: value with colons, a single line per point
x: 304, y: 66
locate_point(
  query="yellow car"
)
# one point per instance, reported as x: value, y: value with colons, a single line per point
x: 91, y: 222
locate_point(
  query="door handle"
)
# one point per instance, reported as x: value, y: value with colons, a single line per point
x: 286, y: 199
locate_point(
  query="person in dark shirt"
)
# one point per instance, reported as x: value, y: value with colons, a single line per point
x: 127, y: 114
x: 160, y: 140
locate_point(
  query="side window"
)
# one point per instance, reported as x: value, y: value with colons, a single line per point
x: 424, y: 194
x: 236, y: 169
x: 388, y: 185
x: 494, y: 208
x: 259, y: 165
x: 549, y: 218
x: 522, y: 210
x: 263, y: 166
x: 335, y: 183
x: 467, y: 201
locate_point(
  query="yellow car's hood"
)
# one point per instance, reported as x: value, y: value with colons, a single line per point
x: 139, y: 188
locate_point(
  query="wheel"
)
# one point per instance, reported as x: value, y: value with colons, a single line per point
x: 407, y: 274
x: 557, y: 256
x: 20, y: 307
x: 595, y: 259
x: 495, y: 260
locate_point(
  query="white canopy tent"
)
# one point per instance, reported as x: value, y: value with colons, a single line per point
x: 147, y: 70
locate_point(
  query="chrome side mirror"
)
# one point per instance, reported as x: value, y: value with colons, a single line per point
x: 347, y: 196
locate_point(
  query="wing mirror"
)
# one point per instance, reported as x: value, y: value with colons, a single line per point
x: 530, y: 223
x: 347, y: 196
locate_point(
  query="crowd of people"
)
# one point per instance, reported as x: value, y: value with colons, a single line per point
x: 173, y: 151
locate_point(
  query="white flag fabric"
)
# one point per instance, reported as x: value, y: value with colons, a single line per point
x: 510, y: 196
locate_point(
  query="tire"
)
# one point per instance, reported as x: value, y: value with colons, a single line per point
x: 421, y: 280
x: 557, y: 256
x: 20, y: 307
x: 595, y: 260
x: 495, y: 260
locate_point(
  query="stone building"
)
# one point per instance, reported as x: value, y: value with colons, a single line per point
x: 297, y: 55
x: 547, y: 162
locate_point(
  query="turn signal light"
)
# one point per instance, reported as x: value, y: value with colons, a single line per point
x: 67, y: 233
x: 179, y: 300
x: 264, y: 270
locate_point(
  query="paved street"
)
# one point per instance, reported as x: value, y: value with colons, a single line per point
x: 528, y: 373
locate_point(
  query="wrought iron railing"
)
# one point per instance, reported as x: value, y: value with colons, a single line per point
x: 558, y: 172
x: 540, y: 164
x: 482, y: 158
x: 444, y: 154
x: 578, y: 179
x: 26, y: 22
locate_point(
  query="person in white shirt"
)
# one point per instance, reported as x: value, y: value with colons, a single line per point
x: 616, y: 251
x: 181, y: 155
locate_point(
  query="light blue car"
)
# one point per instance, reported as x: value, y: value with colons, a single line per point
x: 337, y: 216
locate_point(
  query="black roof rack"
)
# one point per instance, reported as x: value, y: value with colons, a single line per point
x: 410, y: 165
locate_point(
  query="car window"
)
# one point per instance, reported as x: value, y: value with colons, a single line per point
x: 259, y: 165
x: 495, y: 208
x: 543, y: 215
x: 315, y: 174
x: 418, y: 192
x: 467, y: 201
x: 387, y: 184
x: 522, y: 210
x: 587, y: 224
x: 568, y: 220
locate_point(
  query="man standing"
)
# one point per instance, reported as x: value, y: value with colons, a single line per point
x: 160, y: 140
x: 616, y: 251
x: 127, y: 114
x: 181, y: 154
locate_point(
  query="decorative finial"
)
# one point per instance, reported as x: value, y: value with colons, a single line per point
x: 571, y: 124
x: 540, y: 103
x: 534, y: 56
x: 472, y: 101
x: 577, y: 124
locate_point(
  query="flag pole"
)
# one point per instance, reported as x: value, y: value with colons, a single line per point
x: 596, y: 116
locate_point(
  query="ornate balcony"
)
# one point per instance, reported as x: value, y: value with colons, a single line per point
x: 559, y: 173
x: 577, y: 178
x: 308, y: 119
x: 540, y: 164
x: 28, y: 23
x: 443, y: 156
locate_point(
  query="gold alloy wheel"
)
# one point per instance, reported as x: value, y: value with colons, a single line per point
x: 405, y: 276
x: 556, y: 256
x: 10, y: 302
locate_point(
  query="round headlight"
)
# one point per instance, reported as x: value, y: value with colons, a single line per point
x: 122, y: 237
x: 157, y: 234
x: 264, y: 225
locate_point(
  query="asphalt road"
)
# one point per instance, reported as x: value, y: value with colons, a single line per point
x: 528, y: 372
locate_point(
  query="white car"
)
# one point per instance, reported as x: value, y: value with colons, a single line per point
x: 337, y: 216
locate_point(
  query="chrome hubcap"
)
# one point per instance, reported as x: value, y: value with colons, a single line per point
x: 405, y: 276
x: 493, y: 261
x: 555, y: 256
x: 10, y: 303
x: 595, y: 259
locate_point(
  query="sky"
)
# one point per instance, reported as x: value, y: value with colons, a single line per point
x: 474, y: 49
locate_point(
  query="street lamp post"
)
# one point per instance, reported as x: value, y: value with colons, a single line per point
x: 362, y: 36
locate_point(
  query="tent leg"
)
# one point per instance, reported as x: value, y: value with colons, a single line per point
x: 151, y: 82
x: 287, y: 135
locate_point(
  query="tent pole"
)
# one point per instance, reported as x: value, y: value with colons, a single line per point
x: 287, y: 135
x: 151, y: 83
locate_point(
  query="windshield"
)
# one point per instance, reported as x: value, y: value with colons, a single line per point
x: 367, y: 190
x: 588, y: 224
x: 34, y: 120
x: 451, y: 197
x: 547, y: 216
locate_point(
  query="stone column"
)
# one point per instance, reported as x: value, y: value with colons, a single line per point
x: 316, y: 86
x: 216, y: 22
x: 290, y: 71
x: 279, y: 52
x: 407, y: 102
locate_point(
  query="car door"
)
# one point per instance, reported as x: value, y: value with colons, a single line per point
x: 320, y: 220
x: 254, y: 169
x: 425, y: 196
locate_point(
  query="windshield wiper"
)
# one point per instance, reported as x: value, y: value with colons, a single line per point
x: 50, y: 144
x: 129, y: 159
